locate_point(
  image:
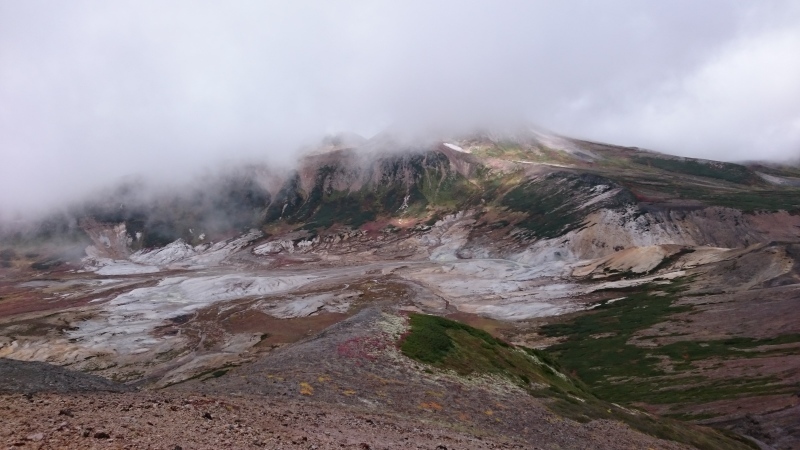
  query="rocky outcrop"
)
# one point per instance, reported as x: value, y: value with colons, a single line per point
x: 610, y: 230
x: 30, y: 376
x: 111, y: 240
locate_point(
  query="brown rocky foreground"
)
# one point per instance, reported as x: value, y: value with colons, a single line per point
x: 344, y: 388
x: 170, y: 421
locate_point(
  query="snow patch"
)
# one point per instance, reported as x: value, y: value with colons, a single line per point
x: 455, y: 147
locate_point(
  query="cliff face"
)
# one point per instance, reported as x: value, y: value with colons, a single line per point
x: 110, y: 241
x: 342, y: 187
x: 610, y: 230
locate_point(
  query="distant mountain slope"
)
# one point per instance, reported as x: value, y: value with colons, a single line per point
x: 657, y: 283
x: 539, y: 175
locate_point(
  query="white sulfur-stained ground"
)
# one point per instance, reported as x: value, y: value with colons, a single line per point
x: 139, y: 316
x: 125, y: 324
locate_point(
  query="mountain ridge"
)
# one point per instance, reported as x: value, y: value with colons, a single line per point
x: 596, y: 253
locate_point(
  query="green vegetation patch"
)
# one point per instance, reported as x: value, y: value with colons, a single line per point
x: 434, y: 339
x: 590, y: 408
x: 409, y: 184
x: 447, y: 344
x: 712, y: 183
x: 787, y: 199
x: 552, y: 203
x: 452, y: 345
x: 505, y: 150
x: 598, y: 351
x: 733, y: 173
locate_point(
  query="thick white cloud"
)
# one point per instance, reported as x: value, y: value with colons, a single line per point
x: 92, y: 90
x: 741, y: 104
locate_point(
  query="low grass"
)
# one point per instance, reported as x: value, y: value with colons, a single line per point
x: 451, y: 345
x: 713, y: 191
x: 587, y: 409
x: 730, y: 172
x: 598, y: 351
x: 787, y: 199
x: 552, y: 204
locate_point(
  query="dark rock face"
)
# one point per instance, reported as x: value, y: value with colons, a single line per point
x: 29, y: 377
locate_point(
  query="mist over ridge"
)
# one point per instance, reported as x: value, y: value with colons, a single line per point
x: 91, y: 92
x: 400, y: 224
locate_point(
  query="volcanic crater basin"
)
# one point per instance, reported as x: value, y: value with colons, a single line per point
x: 149, y: 326
x: 207, y: 313
x: 669, y: 285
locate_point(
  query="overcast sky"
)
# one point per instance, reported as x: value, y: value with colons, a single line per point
x: 91, y: 91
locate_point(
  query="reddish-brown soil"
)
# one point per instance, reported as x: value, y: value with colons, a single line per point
x: 171, y: 421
